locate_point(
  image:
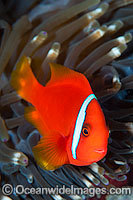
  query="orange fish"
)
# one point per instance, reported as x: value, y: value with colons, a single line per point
x: 66, y: 113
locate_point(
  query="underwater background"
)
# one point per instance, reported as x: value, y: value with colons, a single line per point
x: 93, y: 37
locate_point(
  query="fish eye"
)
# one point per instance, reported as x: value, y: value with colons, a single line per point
x: 85, y: 132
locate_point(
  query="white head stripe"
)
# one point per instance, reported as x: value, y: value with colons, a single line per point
x: 79, y: 123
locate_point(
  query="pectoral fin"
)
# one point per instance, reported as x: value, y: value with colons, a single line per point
x: 50, y: 153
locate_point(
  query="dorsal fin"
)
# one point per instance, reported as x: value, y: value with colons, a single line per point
x: 63, y: 75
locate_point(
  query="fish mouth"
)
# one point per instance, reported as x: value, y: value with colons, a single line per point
x: 99, y: 150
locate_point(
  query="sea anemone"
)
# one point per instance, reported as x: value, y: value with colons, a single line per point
x: 93, y: 37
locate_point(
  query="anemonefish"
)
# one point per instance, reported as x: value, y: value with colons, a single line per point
x: 66, y: 113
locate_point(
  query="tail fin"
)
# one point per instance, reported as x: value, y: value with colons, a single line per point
x: 23, y: 79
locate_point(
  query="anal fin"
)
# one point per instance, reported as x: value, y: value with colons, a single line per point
x: 32, y: 116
